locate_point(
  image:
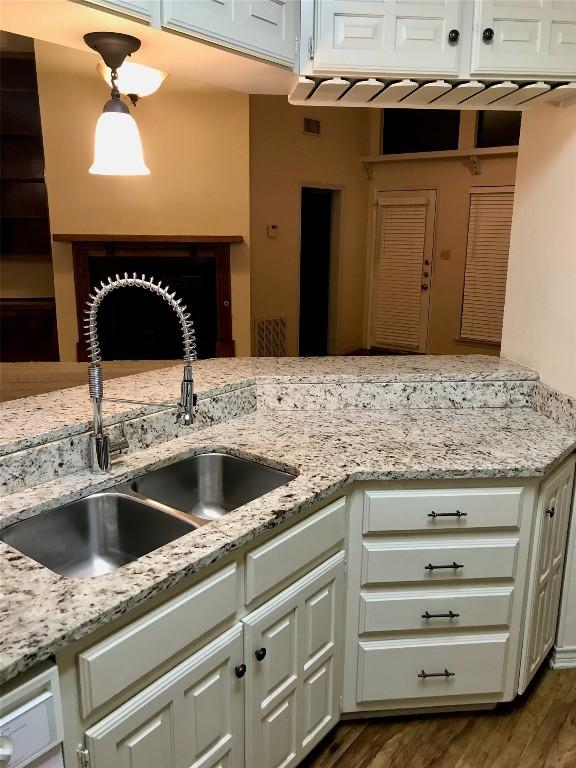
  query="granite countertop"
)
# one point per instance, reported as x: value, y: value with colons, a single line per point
x: 54, y: 415
x: 42, y: 612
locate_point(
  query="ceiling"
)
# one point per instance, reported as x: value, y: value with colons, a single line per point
x: 64, y: 23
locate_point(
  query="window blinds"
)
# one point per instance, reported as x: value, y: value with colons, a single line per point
x: 398, y: 273
x: 489, y: 227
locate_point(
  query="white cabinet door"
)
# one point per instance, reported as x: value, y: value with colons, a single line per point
x: 192, y: 716
x: 552, y: 520
x: 380, y: 36
x: 293, y: 652
x: 267, y: 28
x: 144, y: 9
x: 524, y: 37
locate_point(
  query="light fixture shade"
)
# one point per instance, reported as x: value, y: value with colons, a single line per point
x: 134, y: 78
x: 117, y: 146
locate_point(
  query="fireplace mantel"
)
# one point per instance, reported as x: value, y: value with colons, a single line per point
x: 82, y: 238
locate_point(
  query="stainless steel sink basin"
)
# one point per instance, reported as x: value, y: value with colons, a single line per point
x: 210, y: 484
x: 95, y: 535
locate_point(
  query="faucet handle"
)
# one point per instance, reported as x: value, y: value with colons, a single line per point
x: 186, y: 413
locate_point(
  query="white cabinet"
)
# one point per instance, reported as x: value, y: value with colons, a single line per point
x: 266, y: 28
x: 293, y: 651
x: 375, y: 36
x: 553, y: 515
x: 261, y: 695
x: 192, y: 716
x: 524, y: 37
x: 435, y: 595
x: 143, y: 9
x: 507, y: 39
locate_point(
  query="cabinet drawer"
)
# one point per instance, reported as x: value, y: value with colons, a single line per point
x: 431, y: 559
x: 284, y: 555
x: 117, y: 662
x: 417, y: 609
x: 389, y: 670
x: 433, y: 510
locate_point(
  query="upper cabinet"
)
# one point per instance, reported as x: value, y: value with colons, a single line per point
x: 142, y: 9
x: 494, y: 39
x: 265, y: 28
x: 524, y: 37
x: 396, y: 36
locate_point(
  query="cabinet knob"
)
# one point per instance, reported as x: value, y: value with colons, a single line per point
x: 488, y: 35
x: 550, y: 512
x: 453, y: 36
x: 260, y: 654
x: 240, y: 670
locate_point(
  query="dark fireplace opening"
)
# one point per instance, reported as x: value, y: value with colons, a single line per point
x: 135, y: 324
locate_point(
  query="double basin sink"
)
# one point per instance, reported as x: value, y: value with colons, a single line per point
x: 104, y: 531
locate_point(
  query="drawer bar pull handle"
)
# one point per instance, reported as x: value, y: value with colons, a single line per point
x: 449, y: 615
x: 425, y: 675
x: 453, y: 565
x: 448, y: 514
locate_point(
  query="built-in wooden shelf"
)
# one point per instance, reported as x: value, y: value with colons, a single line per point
x: 443, y: 154
x: 81, y: 238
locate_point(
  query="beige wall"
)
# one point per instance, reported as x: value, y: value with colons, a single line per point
x: 282, y: 160
x: 452, y: 180
x: 196, y: 144
x: 540, y: 309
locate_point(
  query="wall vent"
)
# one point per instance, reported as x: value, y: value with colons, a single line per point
x: 270, y: 337
x: 312, y: 126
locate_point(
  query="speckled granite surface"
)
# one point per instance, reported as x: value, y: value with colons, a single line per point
x: 55, y: 415
x: 556, y: 405
x: 42, y: 612
x: 41, y: 463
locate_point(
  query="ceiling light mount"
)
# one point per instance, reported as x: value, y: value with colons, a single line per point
x: 114, y: 47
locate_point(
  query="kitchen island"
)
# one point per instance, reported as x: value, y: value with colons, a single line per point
x: 341, y: 425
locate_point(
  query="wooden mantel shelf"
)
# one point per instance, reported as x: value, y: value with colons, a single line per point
x: 72, y: 238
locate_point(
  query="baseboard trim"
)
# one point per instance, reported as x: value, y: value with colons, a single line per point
x: 563, y: 658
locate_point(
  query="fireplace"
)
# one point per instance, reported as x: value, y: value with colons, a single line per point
x: 137, y: 325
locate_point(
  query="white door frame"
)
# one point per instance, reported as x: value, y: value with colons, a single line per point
x: 429, y: 248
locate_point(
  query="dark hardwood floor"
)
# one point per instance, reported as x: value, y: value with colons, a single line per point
x: 537, y: 730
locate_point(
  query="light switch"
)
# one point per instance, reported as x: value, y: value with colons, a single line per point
x: 272, y: 230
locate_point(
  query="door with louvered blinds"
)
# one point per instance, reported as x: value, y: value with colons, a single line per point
x: 489, y: 227
x: 402, y: 270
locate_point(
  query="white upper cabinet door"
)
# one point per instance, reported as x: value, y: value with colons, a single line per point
x: 266, y: 28
x: 144, y: 9
x: 547, y: 566
x: 190, y: 717
x: 293, y: 653
x: 524, y: 37
x: 381, y: 36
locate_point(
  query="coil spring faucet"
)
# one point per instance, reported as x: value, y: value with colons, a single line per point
x: 100, y: 444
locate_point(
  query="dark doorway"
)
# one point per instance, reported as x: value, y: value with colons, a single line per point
x: 315, y: 247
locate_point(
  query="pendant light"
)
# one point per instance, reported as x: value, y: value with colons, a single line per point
x: 117, y: 145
